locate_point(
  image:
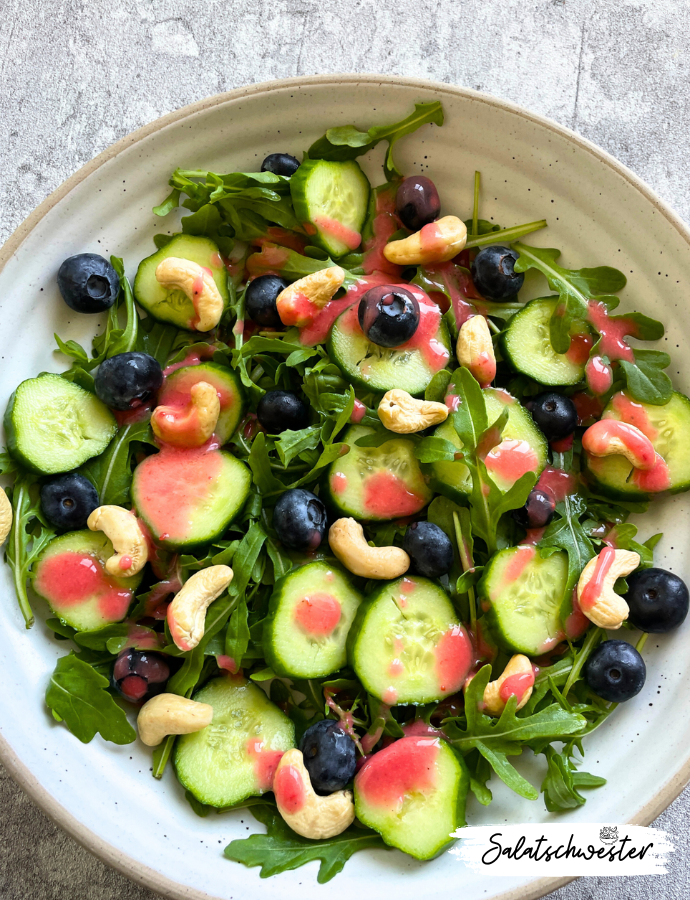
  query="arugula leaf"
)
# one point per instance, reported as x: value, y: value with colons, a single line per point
x: 647, y: 383
x: 567, y: 533
x: 292, y: 443
x: 245, y: 559
x: 111, y: 472
x: 502, y: 235
x: 127, y: 341
x: 158, y: 339
x: 237, y: 635
x: 563, y: 779
x: 435, y: 449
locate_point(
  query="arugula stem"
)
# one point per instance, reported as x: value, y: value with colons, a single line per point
x: 18, y: 540
x: 475, y: 208
x: 161, y: 755
x: 642, y: 641
x: 590, y: 643
x: 467, y: 563
x: 506, y: 235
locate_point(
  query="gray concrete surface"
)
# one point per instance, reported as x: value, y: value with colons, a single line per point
x: 76, y: 75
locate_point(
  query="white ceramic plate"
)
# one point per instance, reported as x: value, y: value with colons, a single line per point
x: 598, y: 212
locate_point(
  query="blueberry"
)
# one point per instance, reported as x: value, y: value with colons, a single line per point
x: 429, y: 548
x: 261, y: 296
x: 139, y: 675
x: 68, y: 501
x: 88, y: 283
x: 280, y: 164
x: 279, y: 411
x: 493, y: 275
x: 388, y: 315
x: 417, y: 202
x: 658, y: 600
x: 299, y: 519
x: 554, y: 413
x: 615, y: 671
x: 537, y: 511
x: 329, y: 756
x: 128, y: 380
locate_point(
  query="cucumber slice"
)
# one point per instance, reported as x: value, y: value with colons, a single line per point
x: 177, y: 388
x: 525, y: 590
x: 667, y: 427
x: 235, y: 756
x: 53, y: 425
x: 453, y: 478
x: 375, y: 484
x: 409, y: 367
x: 309, y: 615
x: 173, y: 305
x: 187, y: 498
x: 70, y: 575
x: 406, y: 644
x: 413, y: 793
x: 526, y: 345
x: 330, y: 200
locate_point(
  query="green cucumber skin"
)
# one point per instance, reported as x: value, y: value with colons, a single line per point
x: 608, y: 490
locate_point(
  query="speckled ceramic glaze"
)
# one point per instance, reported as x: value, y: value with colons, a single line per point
x: 598, y: 213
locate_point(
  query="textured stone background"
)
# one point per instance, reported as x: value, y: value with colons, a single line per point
x: 76, y: 75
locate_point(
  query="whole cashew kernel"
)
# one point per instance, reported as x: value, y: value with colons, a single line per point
x: 126, y: 536
x: 198, y: 284
x: 171, y: 714
x: 300, y: 301
x: 436, y: 242
x: 305, y: 811
x: 595, y: 593
x: 346, y: 537
x: 192, y: 425
x: 403, y: 414
x: 609, y: 437
x: 187, y: 612
x: 475, y: 349
x: 5, y: 516
x: 517, y: 680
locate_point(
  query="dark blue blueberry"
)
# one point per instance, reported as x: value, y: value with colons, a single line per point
x: 429, y: 548
x: 299, y: 519
x: 388, y: 315
x: 68, y: 501
x: 417, y: 202
x: 615, y: 671
x: 658, y: 600
x: 329, y: 756
x: 261, y: 296
x: 279, y: 411
x: 139, y: 675
x: 554, y: 413
x: 88, y: 283
x: 128, y: 380
x: 493, y: 275
x: 280, y: 164
x: 537, y: 511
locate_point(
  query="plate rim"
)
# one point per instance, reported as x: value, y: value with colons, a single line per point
x: 20, y: 773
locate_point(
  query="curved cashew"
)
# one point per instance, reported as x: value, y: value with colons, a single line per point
x: 193, y: 425
x: 187, y: 612
x: 475, y: 349
x: 609, y: 437
x: 171, y: 714
x: 436, y: 242
x: 346, y: 537
x: 595, y: 593
x: 126, y: 536
x: 403, y: 414
x: 300, y: 301
x: 5, y: 516
x: 198, y: 284
x: 305, y: 811
x: 517, y: 679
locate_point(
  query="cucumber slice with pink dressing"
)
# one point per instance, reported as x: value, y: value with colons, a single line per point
x: 235, y: 756
x: 413, y: 793
x: 309, y: 616
x: 70, y: 575
x: 406, y: 643
x: 176, y: 391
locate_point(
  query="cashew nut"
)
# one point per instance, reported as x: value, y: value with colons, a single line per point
x: 126, y: 536
x: 300, y: 301
x: 193, y: 425
x: 595, y: 593
x: 198, y: 284
x: 608, y: 437
x: 187, y: 612
x: 305, y: 811
x: 436, y: 242
x: 5, y: 516
x: 517, y: 679
x: 403, y: 414
x: 346, y: 537
x: 171, y: 714
x: 475, y: 349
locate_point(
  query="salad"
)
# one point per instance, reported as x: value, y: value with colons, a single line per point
x: 336, y: 516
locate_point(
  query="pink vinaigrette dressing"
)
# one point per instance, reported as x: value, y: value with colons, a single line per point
x: 318, y: 614
x: 265, y: 762
x: 408, y: 766
x: 612, y: 344
x: 338, y: 482
x: 594, y: 586
x: 318, y: 331
x: 71, y: 579
x: 517, y: 565
x: 557, y: 483
x: 510, y: 460
x: 516, y: 686
x: 388, y: 497
x: 576, y: 622
x: 289, y: 789
x: 358, y: 412
x: 339, y: 232
x: 384, y: 226
x: 454, y: 654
